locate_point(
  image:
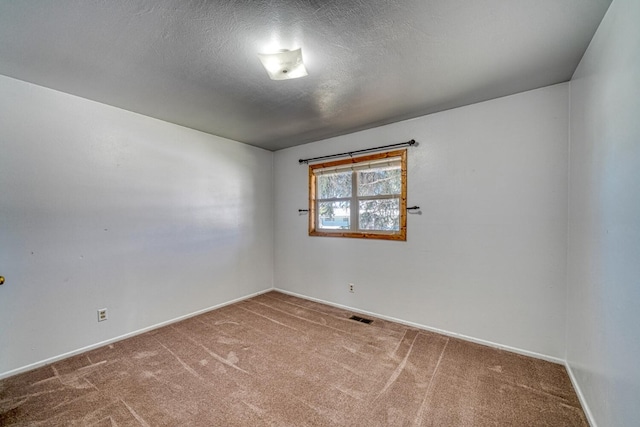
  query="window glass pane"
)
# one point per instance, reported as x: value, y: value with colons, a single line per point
x: 334, y: 215
x: 379, y: 181
x: 334, y: 185
x: 383, y: 214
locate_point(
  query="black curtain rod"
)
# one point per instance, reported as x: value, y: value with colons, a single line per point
x: 366, y: 150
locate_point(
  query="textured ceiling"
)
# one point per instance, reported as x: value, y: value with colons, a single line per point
x: 370, y: 62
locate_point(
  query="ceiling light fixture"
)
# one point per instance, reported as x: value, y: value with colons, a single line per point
x: 284, y: 65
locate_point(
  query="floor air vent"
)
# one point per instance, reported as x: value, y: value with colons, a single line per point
x: 361, y: 319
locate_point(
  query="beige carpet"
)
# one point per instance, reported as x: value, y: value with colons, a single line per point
x: 277, y: 360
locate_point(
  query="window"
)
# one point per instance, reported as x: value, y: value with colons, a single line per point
x: 361, y: 197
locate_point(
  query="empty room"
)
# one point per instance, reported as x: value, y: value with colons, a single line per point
x: 320, y: 213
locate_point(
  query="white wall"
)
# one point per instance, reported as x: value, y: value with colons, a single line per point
x: 603, y: 323
x: 100, y: 207
x: 487, y: 256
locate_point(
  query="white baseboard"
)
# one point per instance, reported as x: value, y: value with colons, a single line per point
x: 432, y: 329
x: 122, y: 337
x: 581, y: 398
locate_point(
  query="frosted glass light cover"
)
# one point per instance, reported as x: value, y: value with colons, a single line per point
x: 284, y: 65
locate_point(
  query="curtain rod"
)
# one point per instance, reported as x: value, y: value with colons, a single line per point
x: 365, y: 150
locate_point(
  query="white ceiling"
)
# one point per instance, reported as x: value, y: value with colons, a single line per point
x: 370, y: 62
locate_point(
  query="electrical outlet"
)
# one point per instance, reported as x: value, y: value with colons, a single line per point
x: 351, y: 287
x: 102, y: 314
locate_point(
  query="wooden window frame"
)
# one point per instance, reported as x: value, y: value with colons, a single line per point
x: 400, y: 235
